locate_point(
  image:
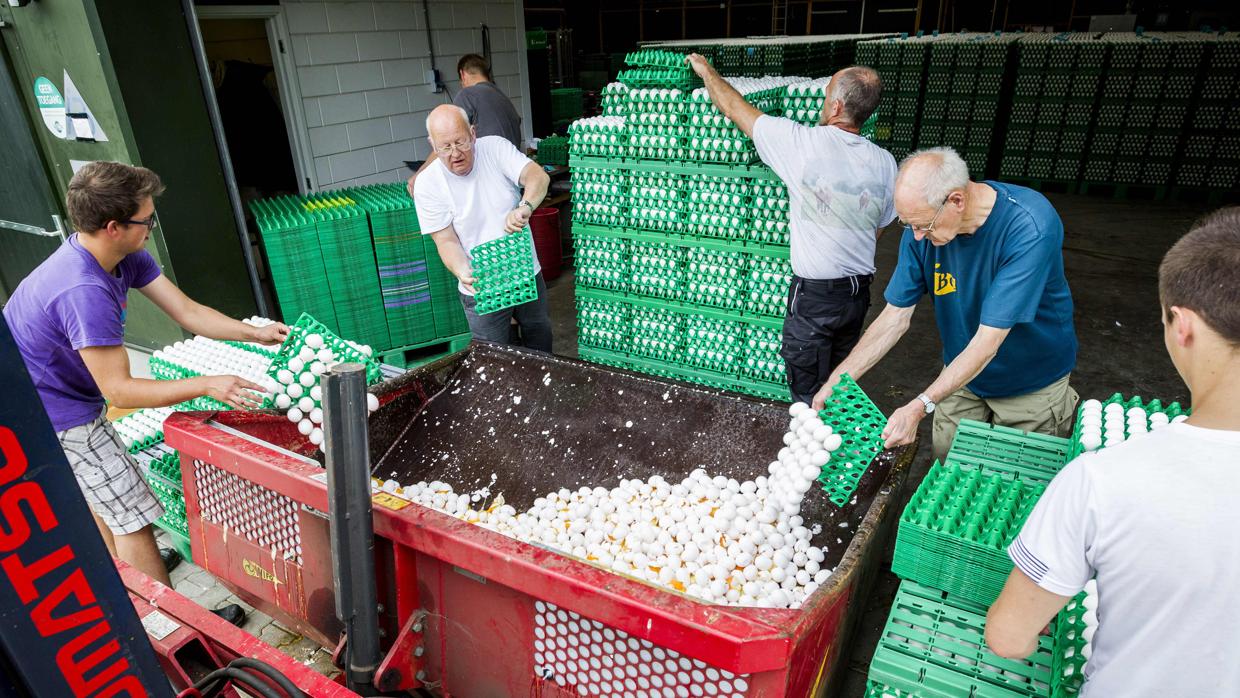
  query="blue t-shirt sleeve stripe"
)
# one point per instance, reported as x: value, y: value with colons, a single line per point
x: 908, y: 281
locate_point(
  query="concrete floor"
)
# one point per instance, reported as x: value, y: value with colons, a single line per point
x: 1111, y: 252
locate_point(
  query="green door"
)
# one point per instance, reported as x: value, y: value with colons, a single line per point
x: 27, y: 203
x: 44, y: 43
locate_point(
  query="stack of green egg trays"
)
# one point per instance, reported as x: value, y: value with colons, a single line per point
x: 710, y: 347
x: 1172, y: 410
x: 352, y: 275
x: 803, y: 102
x: 954, y: 532
x: 1211, y: 149
x: 614, y: 99
x: 901, y: 64
x: 858, y: 421
x: 294, y: 258
x: 504, y: 272
x: 345, y: 351
x: 964, y: 78
x: 600, y: 196
x: 1057, y: 79
x: 161, y: 467
x: 400, y: 260
x: 658, y: 124
x: 600, y: 136
x: 1025, y: 455
x: 934, y: 646
x: 446, y: 305
x: 553, y: 150
x: 1068, y: 667
x: 658, y: 69
x: 748, y: 284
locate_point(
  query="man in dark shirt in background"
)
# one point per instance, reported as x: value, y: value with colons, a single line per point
x: 490, y: 111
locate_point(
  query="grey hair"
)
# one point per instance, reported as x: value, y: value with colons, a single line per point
x: 945, y: 172
x: 858, y: 88
x: 463, y: 114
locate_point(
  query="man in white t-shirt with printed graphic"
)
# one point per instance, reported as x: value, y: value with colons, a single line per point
x: 841, y: 191
x: 478, y: 190
x: 1155, y: 518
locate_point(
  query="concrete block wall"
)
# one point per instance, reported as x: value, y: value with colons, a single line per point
x: 361, y: 69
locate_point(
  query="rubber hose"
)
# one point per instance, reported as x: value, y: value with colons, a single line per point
x: 270, y: 672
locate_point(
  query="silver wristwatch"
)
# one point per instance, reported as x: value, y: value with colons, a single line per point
x: 930, y: 404
x: 527, y: 205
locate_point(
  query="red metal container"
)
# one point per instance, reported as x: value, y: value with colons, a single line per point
x: 469, y: 612
x: 545, y: 226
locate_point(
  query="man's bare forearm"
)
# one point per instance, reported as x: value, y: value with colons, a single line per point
x: 968, y: 363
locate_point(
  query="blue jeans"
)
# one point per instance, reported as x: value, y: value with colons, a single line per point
x: 532, y: 317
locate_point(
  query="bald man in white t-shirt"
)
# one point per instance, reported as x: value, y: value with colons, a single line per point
x: 476, y: 191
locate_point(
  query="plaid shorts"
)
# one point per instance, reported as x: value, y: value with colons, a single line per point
x: 109, y: 477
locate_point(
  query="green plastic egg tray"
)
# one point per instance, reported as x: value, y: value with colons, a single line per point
x: 767, y: 285
x: 1068, y: 669
x: 713, y: 344
x: 1004, y: 450
x: 762, y: 361
x: 604, y: 325
x: 504, y: 272
x: 1172, y: 410
x: 658, y: 270
x: 954, y: 532
x: 714, y: 278
x: 602, y: 262
x: 656, y: 334
x: 345, y: 351
x: 933, y: 646
x: 874, y: 689
x: 852, y: 415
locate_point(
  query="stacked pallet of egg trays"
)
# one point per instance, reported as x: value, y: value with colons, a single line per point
x: 680, y: 233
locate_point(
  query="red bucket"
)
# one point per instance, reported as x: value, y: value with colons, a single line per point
x: 545, y: 226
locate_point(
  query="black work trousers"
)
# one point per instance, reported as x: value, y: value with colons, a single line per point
x: 822, y: 326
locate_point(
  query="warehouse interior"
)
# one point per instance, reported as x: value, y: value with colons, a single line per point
x: 411, y: 507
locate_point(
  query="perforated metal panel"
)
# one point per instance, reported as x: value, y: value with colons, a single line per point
x: 257, y: 514
x: 597, y: 660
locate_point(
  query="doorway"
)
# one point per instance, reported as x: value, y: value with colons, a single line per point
x: 247, y: 50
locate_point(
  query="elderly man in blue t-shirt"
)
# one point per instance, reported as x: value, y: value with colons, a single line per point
x: 991, y: 256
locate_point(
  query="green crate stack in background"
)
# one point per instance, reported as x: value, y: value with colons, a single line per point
x: 355, y: 260
x: 349, y: 260
x: 567, y: 105
x: 553, y: 150
x: 757, y: 56
x: 1056, y: 82
x: 401, y: 263
x: 964, y: 79
x: 1211, y: 148
x: 901, y: 65
x: 294, y: 258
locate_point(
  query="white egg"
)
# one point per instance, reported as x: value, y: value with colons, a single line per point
x: 314, y: 341
x: 308, y: 379
x: 305, y: 427
x: 305, y: 404
x: 305, y: 354
x: 295, y: 415
x: 326, y: 355
x: 285, y: 376
x: 316, y: 393
x: 295, y: 390
x: 833, y: 442
x: 317, y: 368
x: 1090, y: 441
x: 295, y: 365
x: 797, y: 408
x: 316, y: 436
x: 283, y: 401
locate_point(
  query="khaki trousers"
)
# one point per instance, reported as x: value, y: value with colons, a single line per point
x: 1046, y: 411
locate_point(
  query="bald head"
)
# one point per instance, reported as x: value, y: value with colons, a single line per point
x: 451, y: 137
x: 857, y: 89
x: 444, y: 118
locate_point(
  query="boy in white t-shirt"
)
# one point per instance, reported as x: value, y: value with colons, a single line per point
x: 469, y: 196
x: 1155, y: 518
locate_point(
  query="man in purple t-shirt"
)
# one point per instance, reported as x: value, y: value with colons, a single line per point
x: 68, y: 318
